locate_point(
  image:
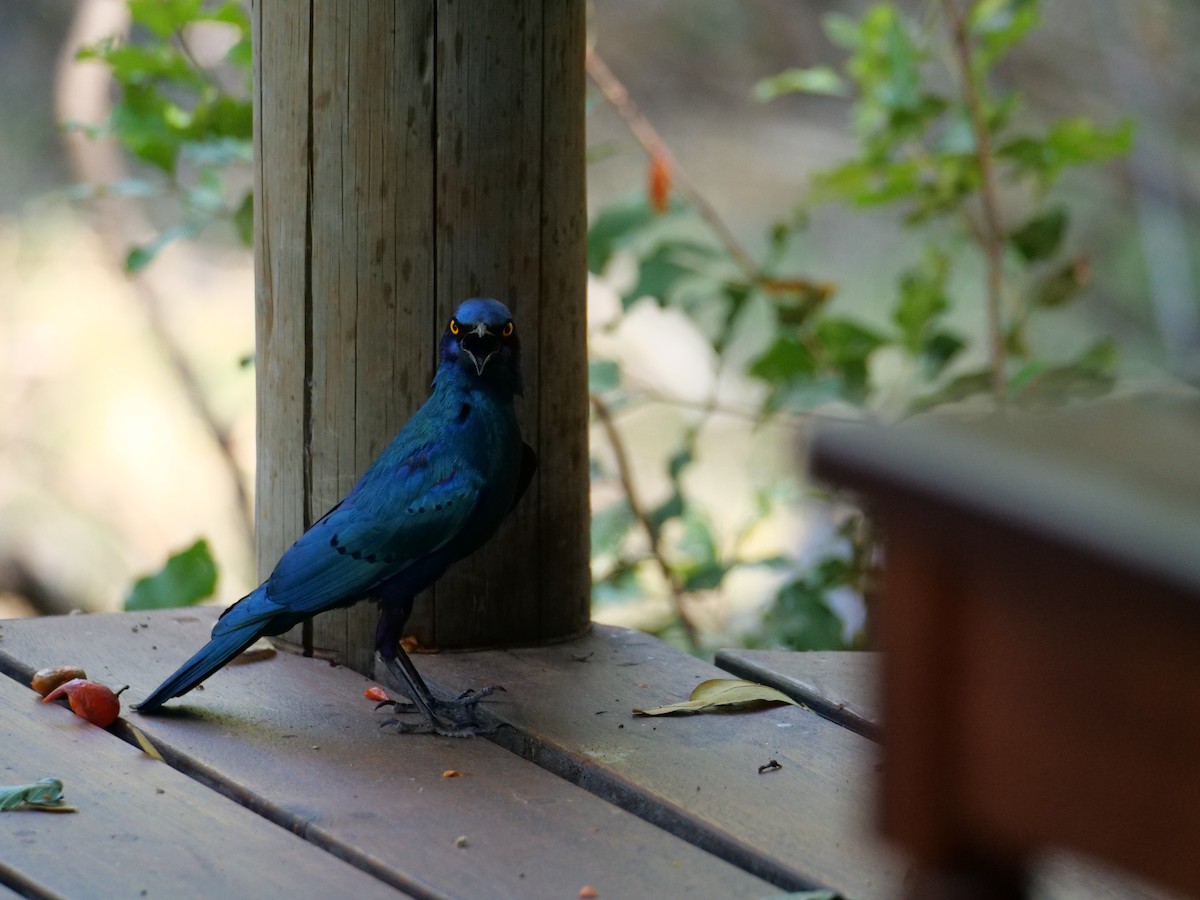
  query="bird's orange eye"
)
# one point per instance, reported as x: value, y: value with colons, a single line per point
x: 454, y: 326
x: 508, y: 329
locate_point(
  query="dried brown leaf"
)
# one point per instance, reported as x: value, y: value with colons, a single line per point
x: 721, y: 693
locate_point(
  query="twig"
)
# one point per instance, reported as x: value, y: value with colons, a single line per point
x: 991, y: 235
x: 625, y: 473
x: 81, y: 94
x: 185, y: 374
x: 656, y: 148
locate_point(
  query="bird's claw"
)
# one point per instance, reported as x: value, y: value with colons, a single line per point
x: 452, y: 718
x: 400, y: 706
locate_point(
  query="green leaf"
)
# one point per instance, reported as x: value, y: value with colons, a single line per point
x: 869, y: 182
x: 1062, y: 284
x: 234, y: 12
x: 959, y: 388
x: 705, y: 578
x: 678, y: 462
x: 801, y: 619
x: 667, y: 267
x: 922, y: 299
x: 140, y: 257
x: 670, y: 508
x: 612, y: 228
x: 618, y: 586
x: 188, y: 577
x: 164, y: 17
x: 938, y: 350
x: 222, y: 117
x: 139, y: 64
x: 609, y: 527
x: 817, y: 80
x: 842, y: 30
x: 848, y: 346
x: 1041, y: 236
x: 603, y: 375
x: 785, y: 360
x: 243, y: 219
x: 999, y: 25
x: 1070, y: 142
x: 1091, y: 375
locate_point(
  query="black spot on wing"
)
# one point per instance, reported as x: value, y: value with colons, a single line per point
x: 358, y: 554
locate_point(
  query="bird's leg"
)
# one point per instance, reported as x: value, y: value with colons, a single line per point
x: 451, y: 718
x: 455, y: 717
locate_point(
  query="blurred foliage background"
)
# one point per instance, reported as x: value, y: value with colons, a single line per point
x: 800, y: 211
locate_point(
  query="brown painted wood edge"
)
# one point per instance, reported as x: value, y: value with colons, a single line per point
x: 950, y: 474
x: 826, y: 707
x: 272, y: 812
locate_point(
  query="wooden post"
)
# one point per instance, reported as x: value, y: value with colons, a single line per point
x: 410, y: 155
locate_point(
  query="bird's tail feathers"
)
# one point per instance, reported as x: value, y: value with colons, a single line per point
x: 231, y: 635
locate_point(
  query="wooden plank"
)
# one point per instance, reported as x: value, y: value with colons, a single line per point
x: 808, y: 823
x: 294, y: 739
x: 841, y: 686
x: 142, y: 827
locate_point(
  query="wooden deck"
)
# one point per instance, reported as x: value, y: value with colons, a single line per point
x: 281, y: 782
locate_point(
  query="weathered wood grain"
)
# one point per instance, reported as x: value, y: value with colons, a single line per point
x: 511, y: 223
x: 142, y: 827
x: 409, y: 156
x: 282, y: 285
x: 808, y: 823
x: 294, y: 739
x: 841, y: 686
x: 564, y: 514
x: 372, y: 330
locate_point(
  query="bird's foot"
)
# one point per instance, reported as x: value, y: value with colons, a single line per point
x: 454, y: 708
x: 455, y: 717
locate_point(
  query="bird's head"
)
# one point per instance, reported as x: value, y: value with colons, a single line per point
x: 481, y: 340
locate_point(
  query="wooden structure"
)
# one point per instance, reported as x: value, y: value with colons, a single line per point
x: 408, y: 156
x: 1041, y: 627
x: 279, y: 780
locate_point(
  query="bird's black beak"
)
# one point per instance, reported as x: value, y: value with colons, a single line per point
x: 480, y: 345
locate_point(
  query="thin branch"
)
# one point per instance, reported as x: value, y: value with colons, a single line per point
x: 991, y: 235
x: 81, y: 94
x: 625, y: 473
x: 185, y: 374
x: 656, y: 148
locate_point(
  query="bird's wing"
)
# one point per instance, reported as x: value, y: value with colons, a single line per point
x: 381, y: 528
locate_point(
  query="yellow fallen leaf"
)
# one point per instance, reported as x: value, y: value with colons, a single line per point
x: 144, y: 742
x: 721, y: 692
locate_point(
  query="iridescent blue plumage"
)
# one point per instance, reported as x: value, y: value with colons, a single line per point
x: 435, y: 494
